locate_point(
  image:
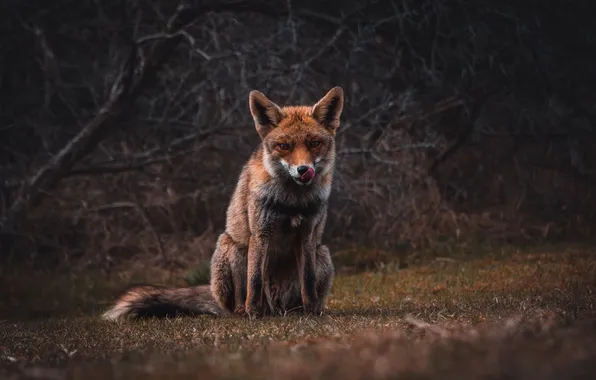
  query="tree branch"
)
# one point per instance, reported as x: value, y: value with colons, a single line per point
x: 149, y: 157
x: 125, y: 91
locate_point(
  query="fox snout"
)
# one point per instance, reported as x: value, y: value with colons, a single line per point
x: 302, y: 174
x: 306, y: 172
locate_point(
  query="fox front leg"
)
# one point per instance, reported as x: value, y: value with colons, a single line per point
x: 257, y: 249
x: 307, y: 274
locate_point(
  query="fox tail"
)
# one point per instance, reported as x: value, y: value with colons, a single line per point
x: 156, y: 301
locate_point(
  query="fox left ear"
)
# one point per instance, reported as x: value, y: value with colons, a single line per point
x: 328, y: 110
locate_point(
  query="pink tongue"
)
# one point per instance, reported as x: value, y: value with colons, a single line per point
x: 310, y: 174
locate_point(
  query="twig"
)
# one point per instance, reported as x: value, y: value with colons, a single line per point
x: 141, y: 210
x: 322, y: 50
x: 140, y: 160
x: 459, y: 142
x: 435, y: 109
x: 348, y: 151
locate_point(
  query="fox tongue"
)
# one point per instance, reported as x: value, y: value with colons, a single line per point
x: 310, y: 174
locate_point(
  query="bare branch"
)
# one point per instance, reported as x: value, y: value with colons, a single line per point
x: 124, y: 92
x: 144, y: 215
x: 153, y: 156
x: 435, y: 109
x: 349, y: 151
x: 323, y: 49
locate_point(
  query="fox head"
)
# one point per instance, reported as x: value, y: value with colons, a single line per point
x: 298, y: 141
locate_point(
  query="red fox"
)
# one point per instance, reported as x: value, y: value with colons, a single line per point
x: 270, y: 259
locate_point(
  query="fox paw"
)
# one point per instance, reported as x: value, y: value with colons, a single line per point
x: 315, y: 309
x: 253, y: 312
x: 240, y: 310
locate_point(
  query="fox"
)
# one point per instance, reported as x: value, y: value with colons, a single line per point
x: 270, y: 259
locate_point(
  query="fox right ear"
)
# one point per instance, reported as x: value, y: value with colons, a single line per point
x: 265, y: 113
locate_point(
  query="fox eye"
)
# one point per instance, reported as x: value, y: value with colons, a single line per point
x: 314, y: 144
x: 283, y: 146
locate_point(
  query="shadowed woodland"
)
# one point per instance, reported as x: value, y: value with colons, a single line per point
x: 462, y: 211
x: 124, y: 124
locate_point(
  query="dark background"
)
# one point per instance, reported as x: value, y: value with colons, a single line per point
x: 124, y: 124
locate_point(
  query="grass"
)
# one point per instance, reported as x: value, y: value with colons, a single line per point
x: 508, y: 314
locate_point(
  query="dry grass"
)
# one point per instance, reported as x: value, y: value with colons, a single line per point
x: 508, y: 315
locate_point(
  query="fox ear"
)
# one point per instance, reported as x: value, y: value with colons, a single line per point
x: 328, y: 110
x: 265, y: 113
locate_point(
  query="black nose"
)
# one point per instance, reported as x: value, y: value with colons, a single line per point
x: 302, y: 169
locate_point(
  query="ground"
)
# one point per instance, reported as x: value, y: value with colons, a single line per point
x: 502, y: 313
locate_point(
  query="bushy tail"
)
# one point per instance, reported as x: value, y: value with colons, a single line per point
x: 156, y: 301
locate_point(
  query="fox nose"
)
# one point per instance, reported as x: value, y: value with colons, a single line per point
x: 302, y: 169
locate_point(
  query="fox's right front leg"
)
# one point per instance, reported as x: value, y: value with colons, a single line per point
x: 257, y: 248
